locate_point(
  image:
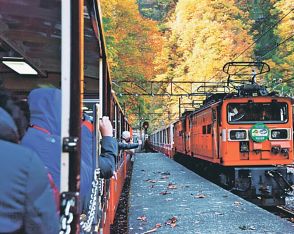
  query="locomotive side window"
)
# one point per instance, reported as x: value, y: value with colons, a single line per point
x: 272, y: 112
x: 203, y: 129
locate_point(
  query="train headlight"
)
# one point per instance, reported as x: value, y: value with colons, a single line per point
x: 279, y: 134
x: 238, y: 135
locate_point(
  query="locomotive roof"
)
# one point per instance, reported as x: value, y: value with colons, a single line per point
x: 244, y: 91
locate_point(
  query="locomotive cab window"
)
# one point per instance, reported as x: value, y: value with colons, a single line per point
x: 271, y: 112
x: 203, y: 129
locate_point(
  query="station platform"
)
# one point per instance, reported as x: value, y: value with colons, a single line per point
x: 165, y: 197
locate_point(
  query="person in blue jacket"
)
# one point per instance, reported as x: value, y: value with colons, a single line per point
x: 26, y: 199
x: 108, y: 145
x: 44, y: 133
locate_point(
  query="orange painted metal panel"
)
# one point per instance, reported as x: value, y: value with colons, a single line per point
x: 259, y: 153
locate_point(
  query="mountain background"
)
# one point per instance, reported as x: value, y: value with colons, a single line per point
x: 189, y: 40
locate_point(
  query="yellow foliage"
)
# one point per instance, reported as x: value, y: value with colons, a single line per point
x: 203, y: 36
x: 285, y: 31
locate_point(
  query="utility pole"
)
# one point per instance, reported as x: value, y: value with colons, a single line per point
x: 179, y: 107
x: 140, y: 123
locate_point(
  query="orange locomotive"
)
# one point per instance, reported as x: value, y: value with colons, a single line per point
x: 244, y: 139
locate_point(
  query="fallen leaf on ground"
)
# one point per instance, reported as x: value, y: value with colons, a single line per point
x: 245, y: 227
x: 151, y: 230
x: 151, y: 181
x: 171, y: 186
x: 164, y: 193
x: 218, y: 213
x: 237, y: 203
x: 172, y: 222
x: 142, y: 218
x: 165, y: 173
x: 154, y: 229
x: 201, y: 195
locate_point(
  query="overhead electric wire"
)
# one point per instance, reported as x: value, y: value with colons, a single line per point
x: 275, y: 24
x: 278, y: 44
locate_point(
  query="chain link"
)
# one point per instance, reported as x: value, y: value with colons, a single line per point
x: 97, y: 189
x: 67, y: 217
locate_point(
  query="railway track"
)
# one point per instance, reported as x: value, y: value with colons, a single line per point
x: 286, y: 212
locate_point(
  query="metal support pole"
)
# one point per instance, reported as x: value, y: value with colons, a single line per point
x: 72, y: 76
x: 179, y: 107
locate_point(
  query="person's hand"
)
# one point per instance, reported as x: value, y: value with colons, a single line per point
x: 114, y: 175
x: 105, y: 126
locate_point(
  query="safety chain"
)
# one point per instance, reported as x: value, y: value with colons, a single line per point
x: 96, y: 192
x: 68, y: 201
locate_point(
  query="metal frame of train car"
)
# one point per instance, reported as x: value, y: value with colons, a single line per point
x: 76, y: 61
x: 162, y: 140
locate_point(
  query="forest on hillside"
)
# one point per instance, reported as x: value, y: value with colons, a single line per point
x: 188, y: 40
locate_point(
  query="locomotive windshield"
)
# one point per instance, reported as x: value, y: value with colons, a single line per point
x: 272, y: 112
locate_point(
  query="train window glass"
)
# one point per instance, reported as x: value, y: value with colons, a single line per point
x: 213, y: 115
x: 271, y: 112
x: 203, y: 129
x: 184, y: 125
x: 208, y: 130
x: 88, y: 106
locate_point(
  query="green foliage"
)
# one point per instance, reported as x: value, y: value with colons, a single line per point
x: 271, y: 24
x: 155, y: 9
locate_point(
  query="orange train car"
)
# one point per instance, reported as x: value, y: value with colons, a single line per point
x: 244, y: 138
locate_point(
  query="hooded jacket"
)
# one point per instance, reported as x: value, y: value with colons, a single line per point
x: 44, y: 134
x: 27, y: 204
x: 44, y: 137
x: 108, y: 150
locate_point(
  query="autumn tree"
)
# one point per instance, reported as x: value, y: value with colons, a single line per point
x: 281, y: 55
x: 132, y: 43
x: 271, y: 27
x: 156, y: 9
x: 200, y: 38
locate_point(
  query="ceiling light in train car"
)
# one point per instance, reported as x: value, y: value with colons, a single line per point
x: 19, y: 65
